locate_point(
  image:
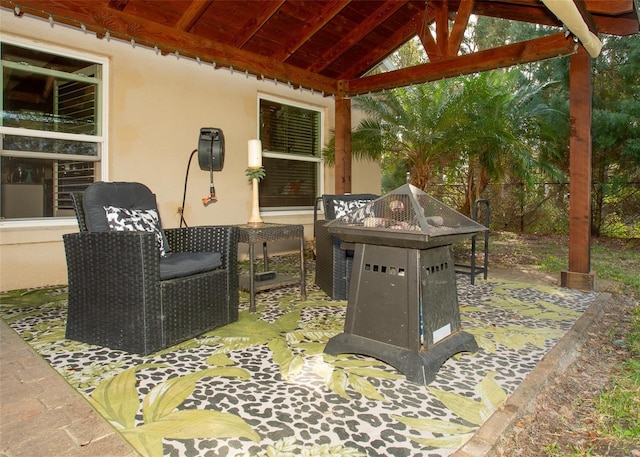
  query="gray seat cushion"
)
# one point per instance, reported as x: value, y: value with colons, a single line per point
x: 179, y: 264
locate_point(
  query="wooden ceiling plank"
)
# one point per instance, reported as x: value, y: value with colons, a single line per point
x: 255, y: 24
x: 382, y: 13
x: 385, y: 48
x: 99, y: 18
x: 118, y: 4
x: 330, y: 10
x: 193, y: 12
x: 459, y: 26
x: 505, y: 56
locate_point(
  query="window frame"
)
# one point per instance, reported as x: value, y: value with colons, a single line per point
x: 101, y: 137
x: 282, y: 211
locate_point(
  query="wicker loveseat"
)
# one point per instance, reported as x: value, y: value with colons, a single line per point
x: 334, y: 258
x: 124, y: 294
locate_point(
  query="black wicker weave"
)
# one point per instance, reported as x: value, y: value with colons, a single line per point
x: 116, y: 297
x: 76, y: 198
x: 334, y: 258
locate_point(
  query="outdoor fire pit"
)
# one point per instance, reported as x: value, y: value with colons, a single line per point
x: 403, y: 303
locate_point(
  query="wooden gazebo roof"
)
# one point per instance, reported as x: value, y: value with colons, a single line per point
x: 329, y: 46
x: 326, y: 45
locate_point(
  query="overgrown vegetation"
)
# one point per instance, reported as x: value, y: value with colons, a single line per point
x: 618, y: 408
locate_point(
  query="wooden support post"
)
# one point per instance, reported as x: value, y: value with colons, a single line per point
x: 579, y: 274
x: 343, y: 145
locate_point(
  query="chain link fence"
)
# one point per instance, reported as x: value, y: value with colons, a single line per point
x: 544, y: 209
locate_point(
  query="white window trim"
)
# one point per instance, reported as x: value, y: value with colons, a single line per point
x: 104, y: 129
x: 279, y: 155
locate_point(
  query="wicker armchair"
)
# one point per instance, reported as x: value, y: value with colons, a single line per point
x: 124, y: 295
x: 334, y: 258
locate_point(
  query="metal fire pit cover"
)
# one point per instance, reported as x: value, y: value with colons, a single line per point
x: 405, y: 217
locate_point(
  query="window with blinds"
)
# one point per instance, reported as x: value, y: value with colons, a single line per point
x: 291, y: 142
x: 52, y: 139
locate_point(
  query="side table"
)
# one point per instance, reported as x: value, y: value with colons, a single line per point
x: 264, y: 234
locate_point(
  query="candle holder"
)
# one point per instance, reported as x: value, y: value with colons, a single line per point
x: 255, y: 220
x: 255, y: 172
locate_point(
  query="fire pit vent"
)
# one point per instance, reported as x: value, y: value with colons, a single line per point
x: 405, y: 217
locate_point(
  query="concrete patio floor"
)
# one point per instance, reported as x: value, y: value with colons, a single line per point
x: 40, y: 414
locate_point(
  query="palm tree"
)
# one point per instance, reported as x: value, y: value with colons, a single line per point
x: 471, y: 130
x: 412, y: 126
x: 505, y: 123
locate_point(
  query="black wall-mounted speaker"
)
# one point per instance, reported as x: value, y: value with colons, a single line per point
x: 211, y: 149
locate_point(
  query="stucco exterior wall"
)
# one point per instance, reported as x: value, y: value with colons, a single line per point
x: 157, y: 105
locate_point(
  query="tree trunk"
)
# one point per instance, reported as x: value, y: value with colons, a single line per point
x: 477, y: 182
x: 599, y: 179
x: 420, y: 175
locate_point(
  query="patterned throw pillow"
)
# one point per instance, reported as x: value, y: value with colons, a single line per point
x: 346, y: 210
x: 132, y: 220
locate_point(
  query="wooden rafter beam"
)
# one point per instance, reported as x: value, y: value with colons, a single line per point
x: 442, y: 28
x: 385, y: 48
x: 193, y: 12
x: 100, y: 19
x: 586, y: 15
x: 610, y: 7
x: 459, y: 26
x: 430, y: 46
x: 447, y: 42
x: 535, y: 13
x: 505, y: 56
x: 329, y: 10
x: 260, y: 18
x: 619, y: 20
x: 623, y: 26
x: 383, y: 12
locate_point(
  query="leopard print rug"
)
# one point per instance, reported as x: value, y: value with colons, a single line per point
x: 262, y: 387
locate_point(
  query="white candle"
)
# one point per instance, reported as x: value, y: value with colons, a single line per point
x: 255, y: 153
